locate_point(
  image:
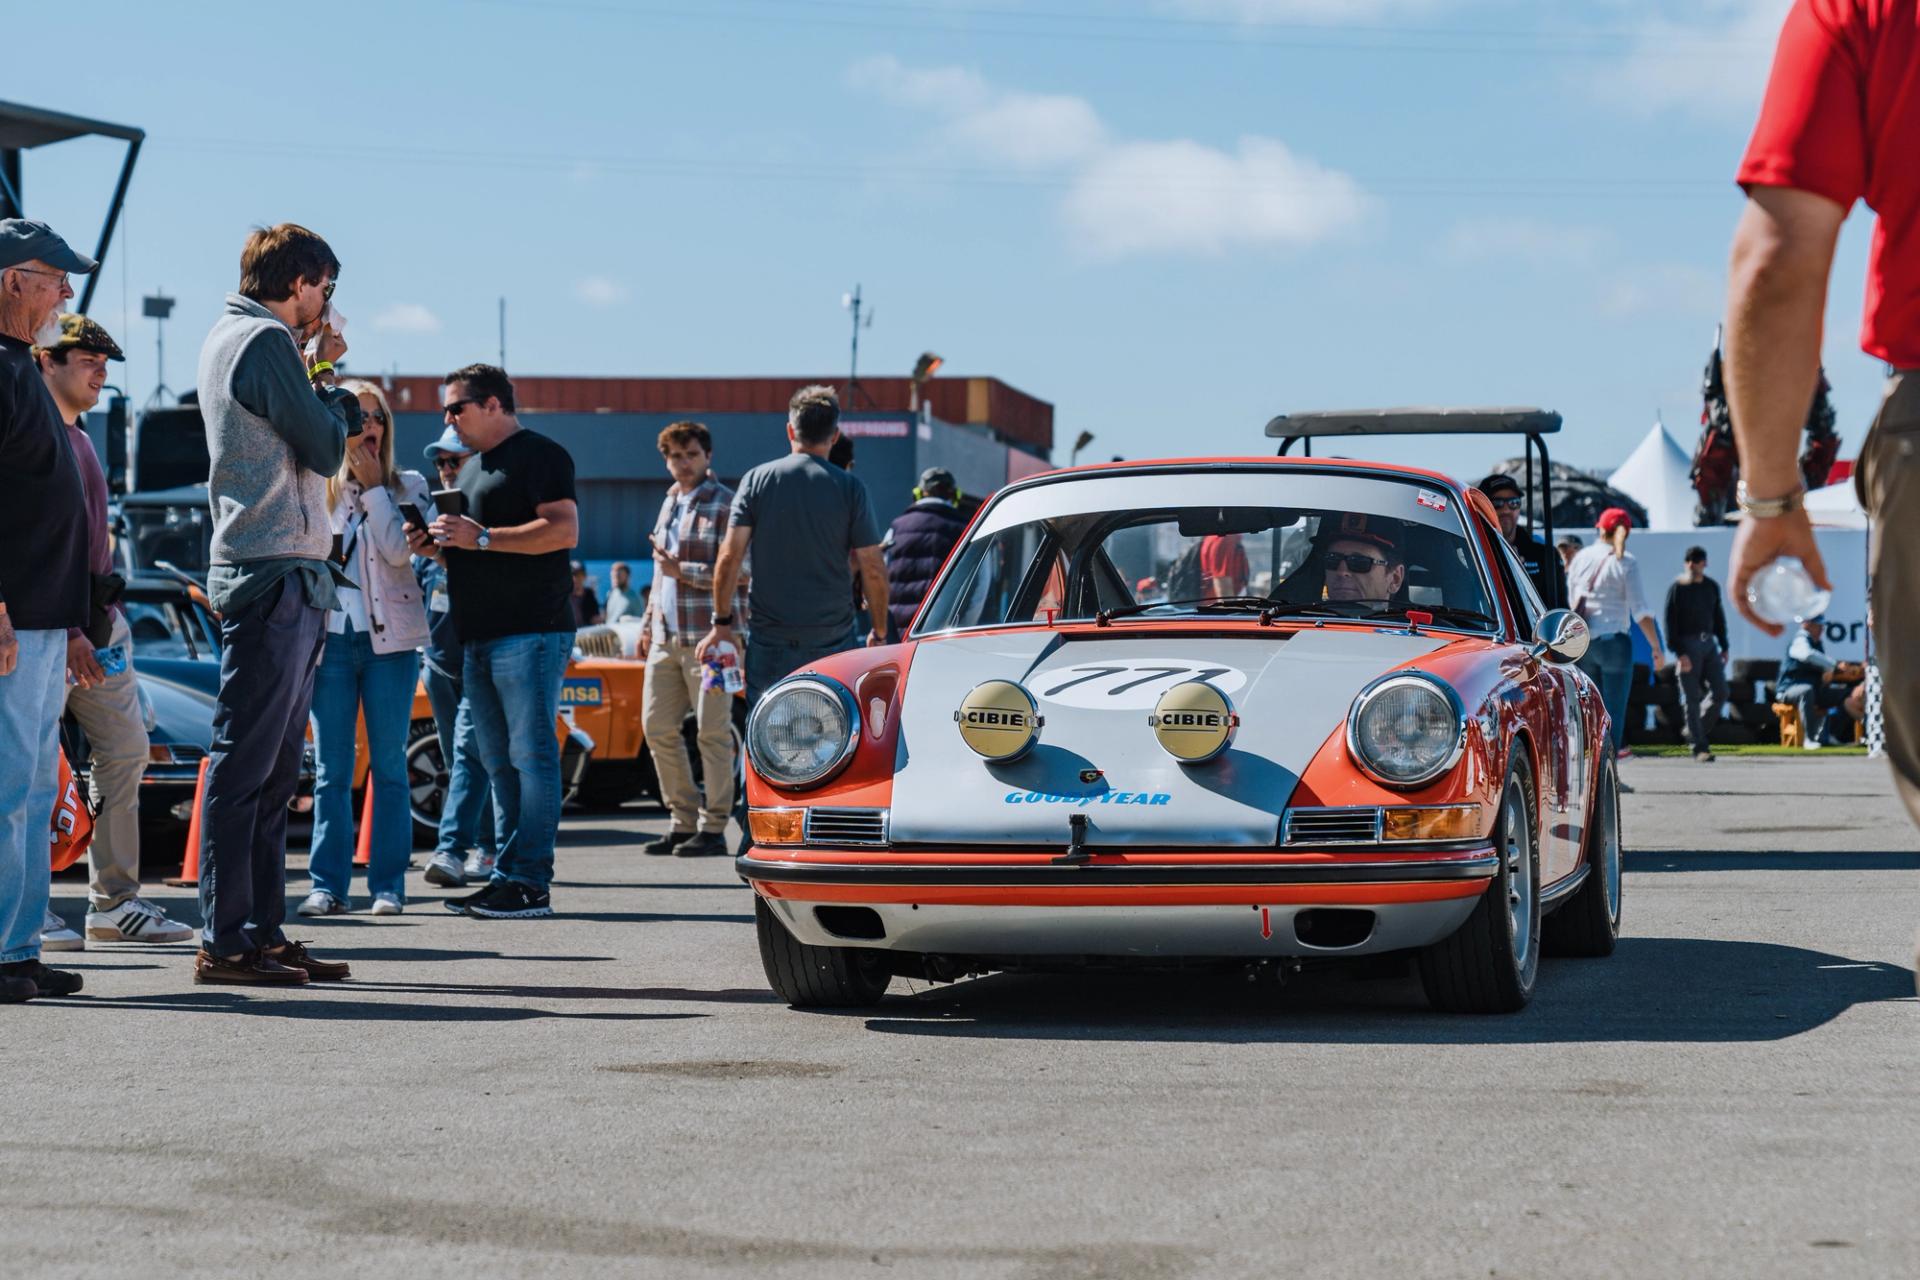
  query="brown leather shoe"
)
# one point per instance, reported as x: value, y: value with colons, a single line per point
x: 251, y: 969
x: 295, y: 955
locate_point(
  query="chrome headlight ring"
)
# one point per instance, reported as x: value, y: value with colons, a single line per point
x: 759, y: 722
x: 1455, y: 746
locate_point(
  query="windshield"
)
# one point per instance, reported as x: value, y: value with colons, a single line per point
x: 1199, y: 544
x: 168, y: 628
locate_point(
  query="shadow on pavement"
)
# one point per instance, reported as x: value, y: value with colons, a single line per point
x: 433, y: 955
x: 1681, y: 990
x: 1774, y: 860
x: 649, y: 917
x: 314, y: 1006
x: 641, y: 884
x: 730, y: 995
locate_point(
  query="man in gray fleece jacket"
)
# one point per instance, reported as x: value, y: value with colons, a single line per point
x: 276, y: 429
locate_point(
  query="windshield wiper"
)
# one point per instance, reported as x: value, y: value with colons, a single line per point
x: 1266, y: 608
x: 1441, y: 613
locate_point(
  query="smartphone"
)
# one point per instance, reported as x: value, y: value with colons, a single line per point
x: 449, y: 502
x: 338, y: 548
x: 412, y: 515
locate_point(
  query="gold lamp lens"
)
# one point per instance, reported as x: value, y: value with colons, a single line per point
x: 999, y: 720
x: 1194, y: 722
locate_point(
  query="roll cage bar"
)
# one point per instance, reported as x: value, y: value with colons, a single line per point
x: 23, y: 128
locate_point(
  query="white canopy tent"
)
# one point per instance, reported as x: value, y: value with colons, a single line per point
x: 1836, y: 507
x: 1655, y: 476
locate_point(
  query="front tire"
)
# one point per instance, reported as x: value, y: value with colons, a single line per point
x: 809, y: 977
x: 1490, y: 963
x: 1588, y: 923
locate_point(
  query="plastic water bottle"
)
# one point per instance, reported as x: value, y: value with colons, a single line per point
x: 1783, y: 592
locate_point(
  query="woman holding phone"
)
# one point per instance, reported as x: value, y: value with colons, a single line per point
x: 369, y: 666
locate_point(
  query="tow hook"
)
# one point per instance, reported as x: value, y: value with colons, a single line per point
x: 1077, y: 853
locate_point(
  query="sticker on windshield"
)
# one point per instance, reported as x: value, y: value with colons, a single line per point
x: 1126, y: 686
x: 1431, y: 500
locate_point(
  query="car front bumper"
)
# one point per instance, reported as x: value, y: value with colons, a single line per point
x: 1146, y: 907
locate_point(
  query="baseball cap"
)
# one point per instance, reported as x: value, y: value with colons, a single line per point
x: 938, y: 481
x: 1498, y: 480
x: 449, y: 442
x: 1358, y: 526
x: 23, y: 240
x: 1613, y: 518
x: 78, y: 333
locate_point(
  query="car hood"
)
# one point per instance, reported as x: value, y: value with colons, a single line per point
x: 1291, y: 690
x: 183, y: 703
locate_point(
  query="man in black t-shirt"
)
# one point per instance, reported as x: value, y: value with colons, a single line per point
x: 511, y: 593
x: 1545, y: 568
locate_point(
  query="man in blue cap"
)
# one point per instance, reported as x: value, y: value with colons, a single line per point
x: 45, y: 588
x: 464, y: 849
x: 1809, y: 680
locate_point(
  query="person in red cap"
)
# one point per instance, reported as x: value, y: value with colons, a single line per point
x: 1840, y: 123
x: 1603, y: 586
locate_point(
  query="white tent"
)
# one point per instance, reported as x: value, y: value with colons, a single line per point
x: 1655, y: 476
x: 1837, y: 507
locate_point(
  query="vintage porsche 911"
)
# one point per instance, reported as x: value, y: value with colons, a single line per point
x: 1253, y: 711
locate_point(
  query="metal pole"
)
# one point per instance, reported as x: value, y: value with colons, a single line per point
x: 113, y: 219
x: 11, y: 205
x: 853, y: 369
x: 503, y: 333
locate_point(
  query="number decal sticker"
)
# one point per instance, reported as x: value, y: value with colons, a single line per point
x: 1133, y: 686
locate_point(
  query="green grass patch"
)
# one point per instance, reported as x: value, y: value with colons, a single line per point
x: 1678, y: 751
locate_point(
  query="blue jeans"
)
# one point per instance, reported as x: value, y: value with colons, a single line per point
x: 31, y: 698
x: 513, y: 698
x: 352, y: 677
x: 1609, y: 661
x: 466, y: 813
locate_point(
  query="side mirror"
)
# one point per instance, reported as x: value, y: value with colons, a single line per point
x: 1562, y: 637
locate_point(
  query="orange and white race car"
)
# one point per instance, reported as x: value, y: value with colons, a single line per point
x: 1249, y: 711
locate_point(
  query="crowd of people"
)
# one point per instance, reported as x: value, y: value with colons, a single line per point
x: 343, y: 580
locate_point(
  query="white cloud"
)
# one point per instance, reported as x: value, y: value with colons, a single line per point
x: 1662, y: 288
x: 1713, y: 62
x: 1152, y: 196
x: 599, y: 291
x: 1129, y: 195
x: 407, y: 317
x: 1527, y: 240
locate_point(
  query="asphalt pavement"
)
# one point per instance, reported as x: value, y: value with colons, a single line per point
x: 616, y: 1092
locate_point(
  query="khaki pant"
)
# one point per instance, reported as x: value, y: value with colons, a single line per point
x: 673, y: 689
x: 116, y: 732
x: 1888, y: 481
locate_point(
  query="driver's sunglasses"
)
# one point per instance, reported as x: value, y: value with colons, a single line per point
x: 1508, y: 504
x: 1354, y: 562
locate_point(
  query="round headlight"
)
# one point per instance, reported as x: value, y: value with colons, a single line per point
x: 1406, y: 730
x: 803, y: 731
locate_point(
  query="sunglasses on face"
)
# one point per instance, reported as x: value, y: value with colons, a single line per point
x: 454, y: 408
x: 1508, y: 504
x: 1352, y: 562
x: 326, y: 290
x: 374, y: 415
x: 65, y: 280
x: 446, y: 463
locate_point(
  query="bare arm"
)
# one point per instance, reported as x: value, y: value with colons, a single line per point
x: 726, y: 575
x: 873, y: 579
x: 1776, y: 297
x: 555, y: 527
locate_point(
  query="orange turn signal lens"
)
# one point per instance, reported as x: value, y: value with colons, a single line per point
x: 1441, y: 822
x: 776, y: 826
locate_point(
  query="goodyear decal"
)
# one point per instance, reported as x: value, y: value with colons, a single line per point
x: 581, y: 691
x: 1103, y: 797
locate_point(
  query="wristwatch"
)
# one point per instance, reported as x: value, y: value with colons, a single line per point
x: 485, y: 539
x: 722, y: 619
x: 1768, y: 508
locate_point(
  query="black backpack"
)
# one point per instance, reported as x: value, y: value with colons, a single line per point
x: 1183, y: 578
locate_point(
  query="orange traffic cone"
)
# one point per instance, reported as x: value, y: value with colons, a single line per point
x: 190, y: 864
x: 363, y: 853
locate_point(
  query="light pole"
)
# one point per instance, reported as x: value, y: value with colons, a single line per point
x: 157, y: 307
x: 1084, y: 439
x: 851, y: 302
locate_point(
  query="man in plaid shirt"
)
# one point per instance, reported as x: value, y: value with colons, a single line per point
x: 686, y: 543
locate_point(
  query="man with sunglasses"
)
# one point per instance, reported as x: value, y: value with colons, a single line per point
x: 277, y: 429
x: 1546, y: 569
x: 1363, y: 562
x: 466, y: 812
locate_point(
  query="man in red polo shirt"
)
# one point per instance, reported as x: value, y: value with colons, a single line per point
x: 1841, y: 122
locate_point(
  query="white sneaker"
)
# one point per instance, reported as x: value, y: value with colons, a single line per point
x: 55, y: 936
x: 322, y: 903
x: 136, y: 920
x: 447, y: 870
x: 480, y: 866
x: 386, y: 904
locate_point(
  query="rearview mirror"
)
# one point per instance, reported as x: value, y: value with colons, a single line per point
x: 1561, y: 636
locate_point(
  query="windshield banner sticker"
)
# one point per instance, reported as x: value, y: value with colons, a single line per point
x: 1431, y: 500
x: 1127, y: 686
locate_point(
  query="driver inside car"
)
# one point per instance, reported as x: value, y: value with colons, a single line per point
x: 1362, y: 565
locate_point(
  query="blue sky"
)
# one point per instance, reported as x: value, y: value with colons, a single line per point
x: 1171, y: 218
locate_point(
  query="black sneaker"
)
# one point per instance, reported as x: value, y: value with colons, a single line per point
x: 17, y: 990
x: 460, y: 904
x: 708, y: 844
x: 668, y: 843
x: 47, y: 982
x: 512, y: 901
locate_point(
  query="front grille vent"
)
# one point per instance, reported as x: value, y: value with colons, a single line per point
x: 1332, y: 826
x: 845, y: 826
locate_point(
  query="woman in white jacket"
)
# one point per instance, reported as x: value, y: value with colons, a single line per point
x: 370, y: 664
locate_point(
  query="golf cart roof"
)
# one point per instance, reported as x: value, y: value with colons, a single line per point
x: 1414, y: 422
x: 22, y: 127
